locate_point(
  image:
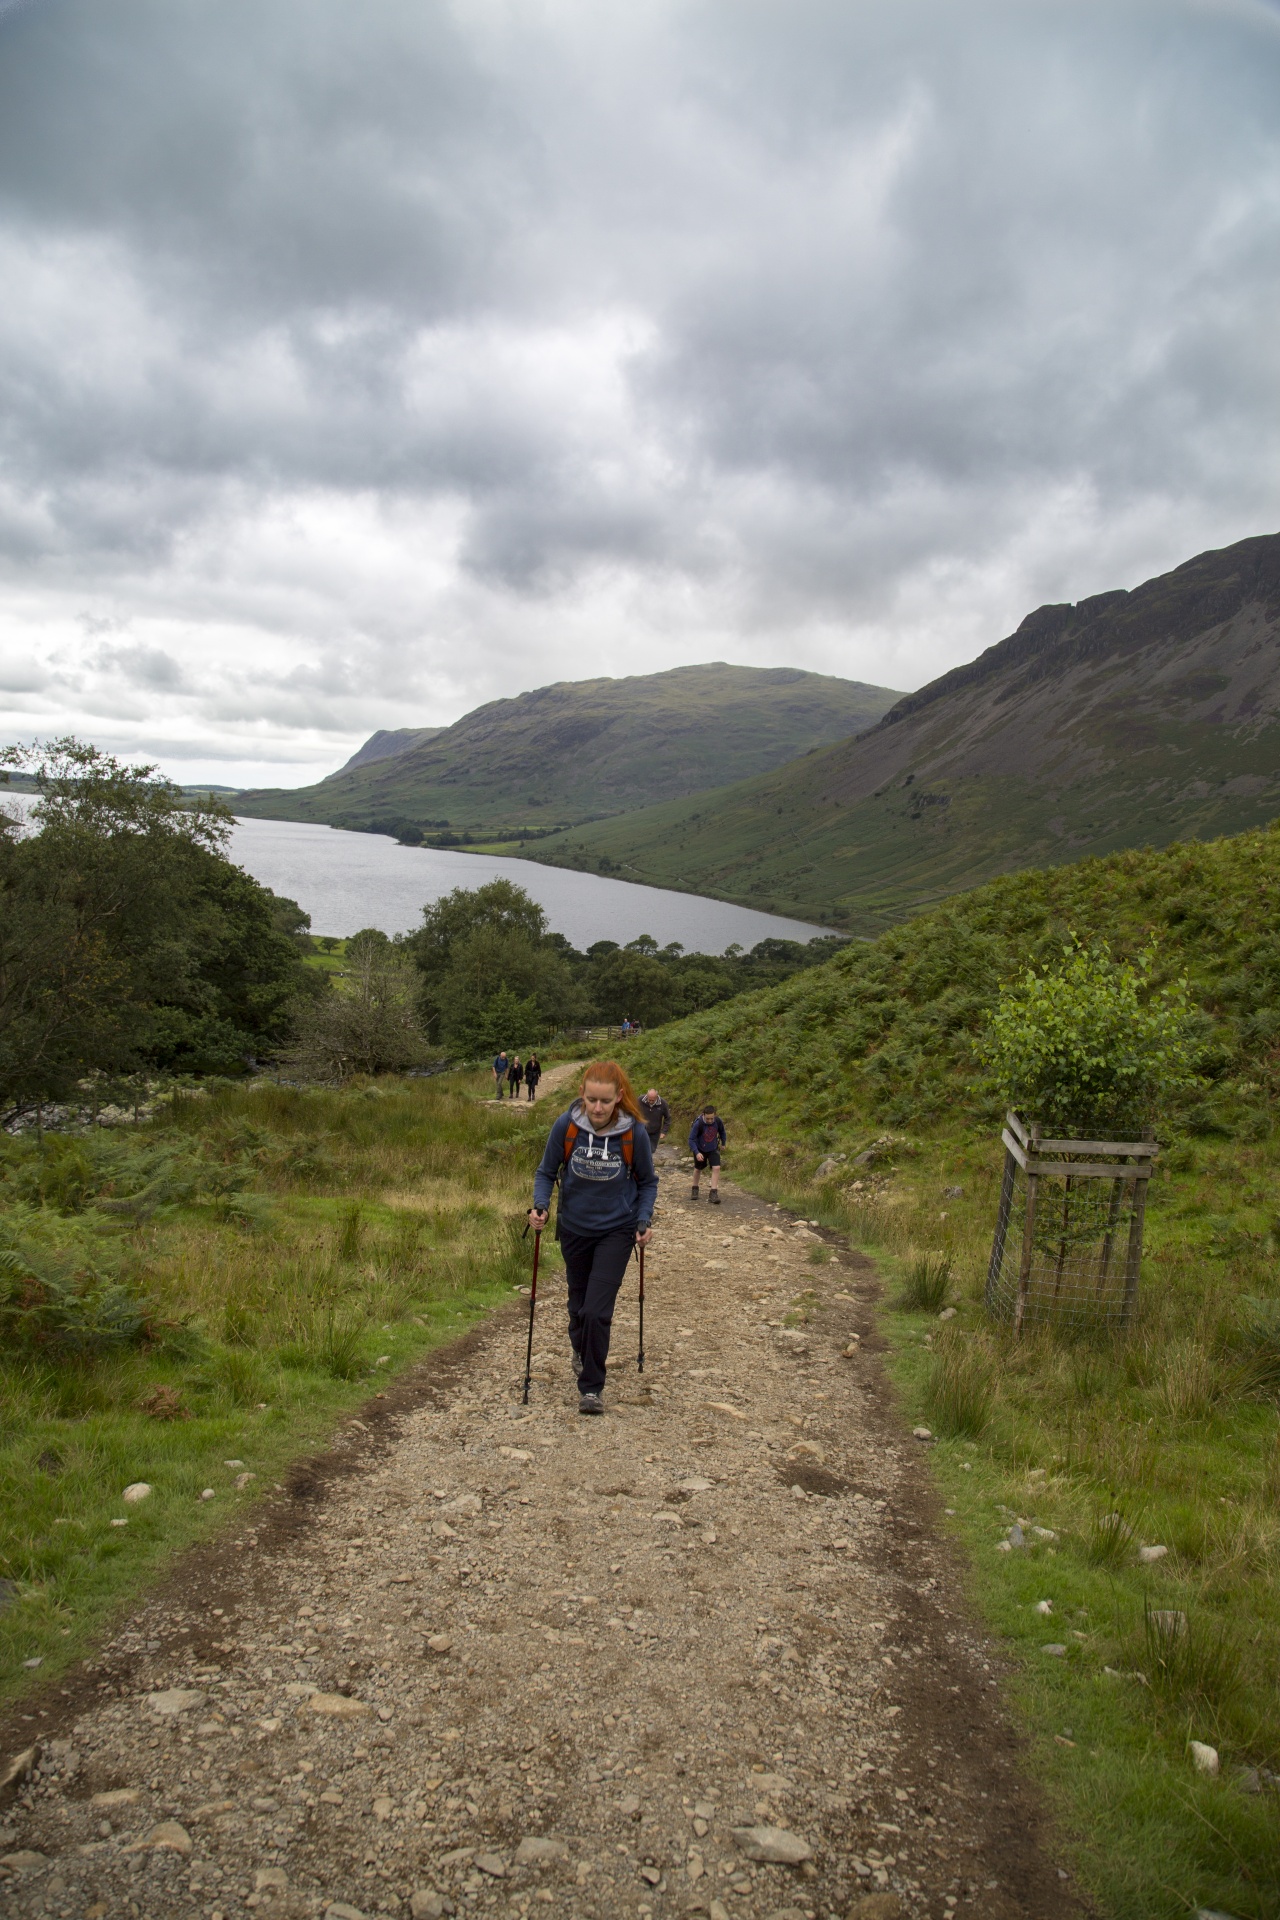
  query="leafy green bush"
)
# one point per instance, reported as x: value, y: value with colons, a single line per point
x: 1088, y: 1047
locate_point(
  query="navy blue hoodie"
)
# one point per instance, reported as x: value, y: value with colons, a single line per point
x: 599, y: 1194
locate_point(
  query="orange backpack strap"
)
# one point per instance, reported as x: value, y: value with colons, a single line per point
x: 572, y: 1131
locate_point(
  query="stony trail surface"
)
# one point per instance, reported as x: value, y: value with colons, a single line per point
x: 705, y: 1655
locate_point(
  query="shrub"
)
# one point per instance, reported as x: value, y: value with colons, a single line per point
x: 1079, y: 1051
x: 56, y: 1297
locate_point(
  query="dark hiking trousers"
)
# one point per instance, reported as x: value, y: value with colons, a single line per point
x: 595, y: 1267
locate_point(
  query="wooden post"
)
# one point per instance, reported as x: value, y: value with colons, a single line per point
x: 1028, y: 1247
x: 1113, y: 1214
x: 1062, y: 1243
x: 996, y: 1262
x: 1133, y: 1261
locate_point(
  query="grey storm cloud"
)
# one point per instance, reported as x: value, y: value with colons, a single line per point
x: 406, y: 339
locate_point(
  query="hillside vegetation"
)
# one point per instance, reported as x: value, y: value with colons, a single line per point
x: 580, y: 750
x: 852, y: 1094
x: 1129, y: 719
x: 192, y: 1302
x: 883, y: 1032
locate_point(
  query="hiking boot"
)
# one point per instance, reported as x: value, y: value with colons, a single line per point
x: 590, y: 1403
x: 577, y: 1364
x: 693, y: 1194
x: 714, y: 1197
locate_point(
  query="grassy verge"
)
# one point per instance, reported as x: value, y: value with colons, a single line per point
x: 1092, y: 1449
x: 201, y: 1297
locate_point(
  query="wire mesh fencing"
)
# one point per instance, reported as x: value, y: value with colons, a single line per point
x: 1068, y: 1240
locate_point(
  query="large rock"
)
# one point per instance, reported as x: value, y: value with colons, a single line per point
x: 171, y: 1836
x: 176, y: 1700
x: 876, y: 1906
x: 20, y: 1768
x: 115, y: 1797
x: 777, y: 1846
x: 535, y: 1851
x: 337, y: 1706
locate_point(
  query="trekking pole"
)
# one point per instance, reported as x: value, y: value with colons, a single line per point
x: 640, y: 1357
x: 533, y: 1301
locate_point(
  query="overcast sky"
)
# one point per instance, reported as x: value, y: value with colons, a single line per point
x: 361, y: 363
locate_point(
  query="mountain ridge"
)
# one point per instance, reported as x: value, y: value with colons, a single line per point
x: 578, y: 750
x: 1129, y: 717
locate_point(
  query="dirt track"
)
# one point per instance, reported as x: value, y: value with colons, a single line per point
x: 564, y: 1660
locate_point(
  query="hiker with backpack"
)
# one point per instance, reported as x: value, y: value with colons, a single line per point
x: 706, y: 1137
x: 500, y: 1065
x: 599, y: 1151
x: 532, y: 1075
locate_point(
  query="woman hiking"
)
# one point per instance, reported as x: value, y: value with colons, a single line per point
x: 532, y: 1075
x: 515, y: 1074
x: 600, y: 1153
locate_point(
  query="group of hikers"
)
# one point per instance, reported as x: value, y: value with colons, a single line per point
x: 601, y: 1154
x: 509, y: 1070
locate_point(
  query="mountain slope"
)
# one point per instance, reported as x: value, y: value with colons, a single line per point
x: 883, y: 1032
x: 583, y: 749
x: 388, y: 743
x: 1130, y: 718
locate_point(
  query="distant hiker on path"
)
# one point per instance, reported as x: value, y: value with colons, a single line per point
x: 515, y: 1074
x: 599, y: 1150
x: 657, y: 1116
x: 706, y: 1137
x: 532, y: 1075
x: 500, y: 1065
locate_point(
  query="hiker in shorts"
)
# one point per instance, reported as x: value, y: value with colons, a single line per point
x: 706, y: 1137
x: 500, y: 1066
x: 657, y: 1116
x: 599, y: 1151
x: 532, y: 1075
x: 515, y: 1074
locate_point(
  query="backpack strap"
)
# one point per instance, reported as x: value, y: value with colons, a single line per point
x: 572, y: 1131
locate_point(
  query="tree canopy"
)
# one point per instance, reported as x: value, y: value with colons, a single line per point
x: 128, y: 940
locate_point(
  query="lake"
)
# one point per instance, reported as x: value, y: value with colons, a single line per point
x: 350, y: 880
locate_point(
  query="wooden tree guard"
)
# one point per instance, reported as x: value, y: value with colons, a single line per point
x: 1062, y: 1285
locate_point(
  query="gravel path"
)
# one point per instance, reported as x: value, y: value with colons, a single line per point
x: 552, y: 1081
x: 705, y: 1655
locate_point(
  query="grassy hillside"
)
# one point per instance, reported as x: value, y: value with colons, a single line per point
x: 581, y: 750
x: 1165, y: 1436
x: 1130, y: 719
